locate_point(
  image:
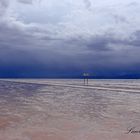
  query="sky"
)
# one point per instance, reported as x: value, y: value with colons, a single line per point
x: 64, y: 38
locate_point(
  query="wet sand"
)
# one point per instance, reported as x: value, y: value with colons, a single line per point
x: 47, y: 110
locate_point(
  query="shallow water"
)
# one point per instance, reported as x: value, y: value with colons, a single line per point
x: 63, y: 110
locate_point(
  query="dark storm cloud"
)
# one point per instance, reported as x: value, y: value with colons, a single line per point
x: 106, y: 52
x: 97, y: 54
x: 67, y: 48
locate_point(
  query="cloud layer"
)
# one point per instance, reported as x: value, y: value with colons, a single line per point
x: 67, y: 38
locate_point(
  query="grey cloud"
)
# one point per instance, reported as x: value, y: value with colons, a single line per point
x: 134, y: 39
x: 87, y: 4
x: 120, y: 19
x: 104, y: 42
x: 26, y: 1
x: 4, y: 3
x: 3, y: 6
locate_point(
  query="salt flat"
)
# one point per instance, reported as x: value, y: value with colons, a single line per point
x: 32, y: 109
x: 111, y: 85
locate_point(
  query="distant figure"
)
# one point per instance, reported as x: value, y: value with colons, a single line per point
x: 86, y: 77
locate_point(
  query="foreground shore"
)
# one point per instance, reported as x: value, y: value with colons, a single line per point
x: 69, y: 110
